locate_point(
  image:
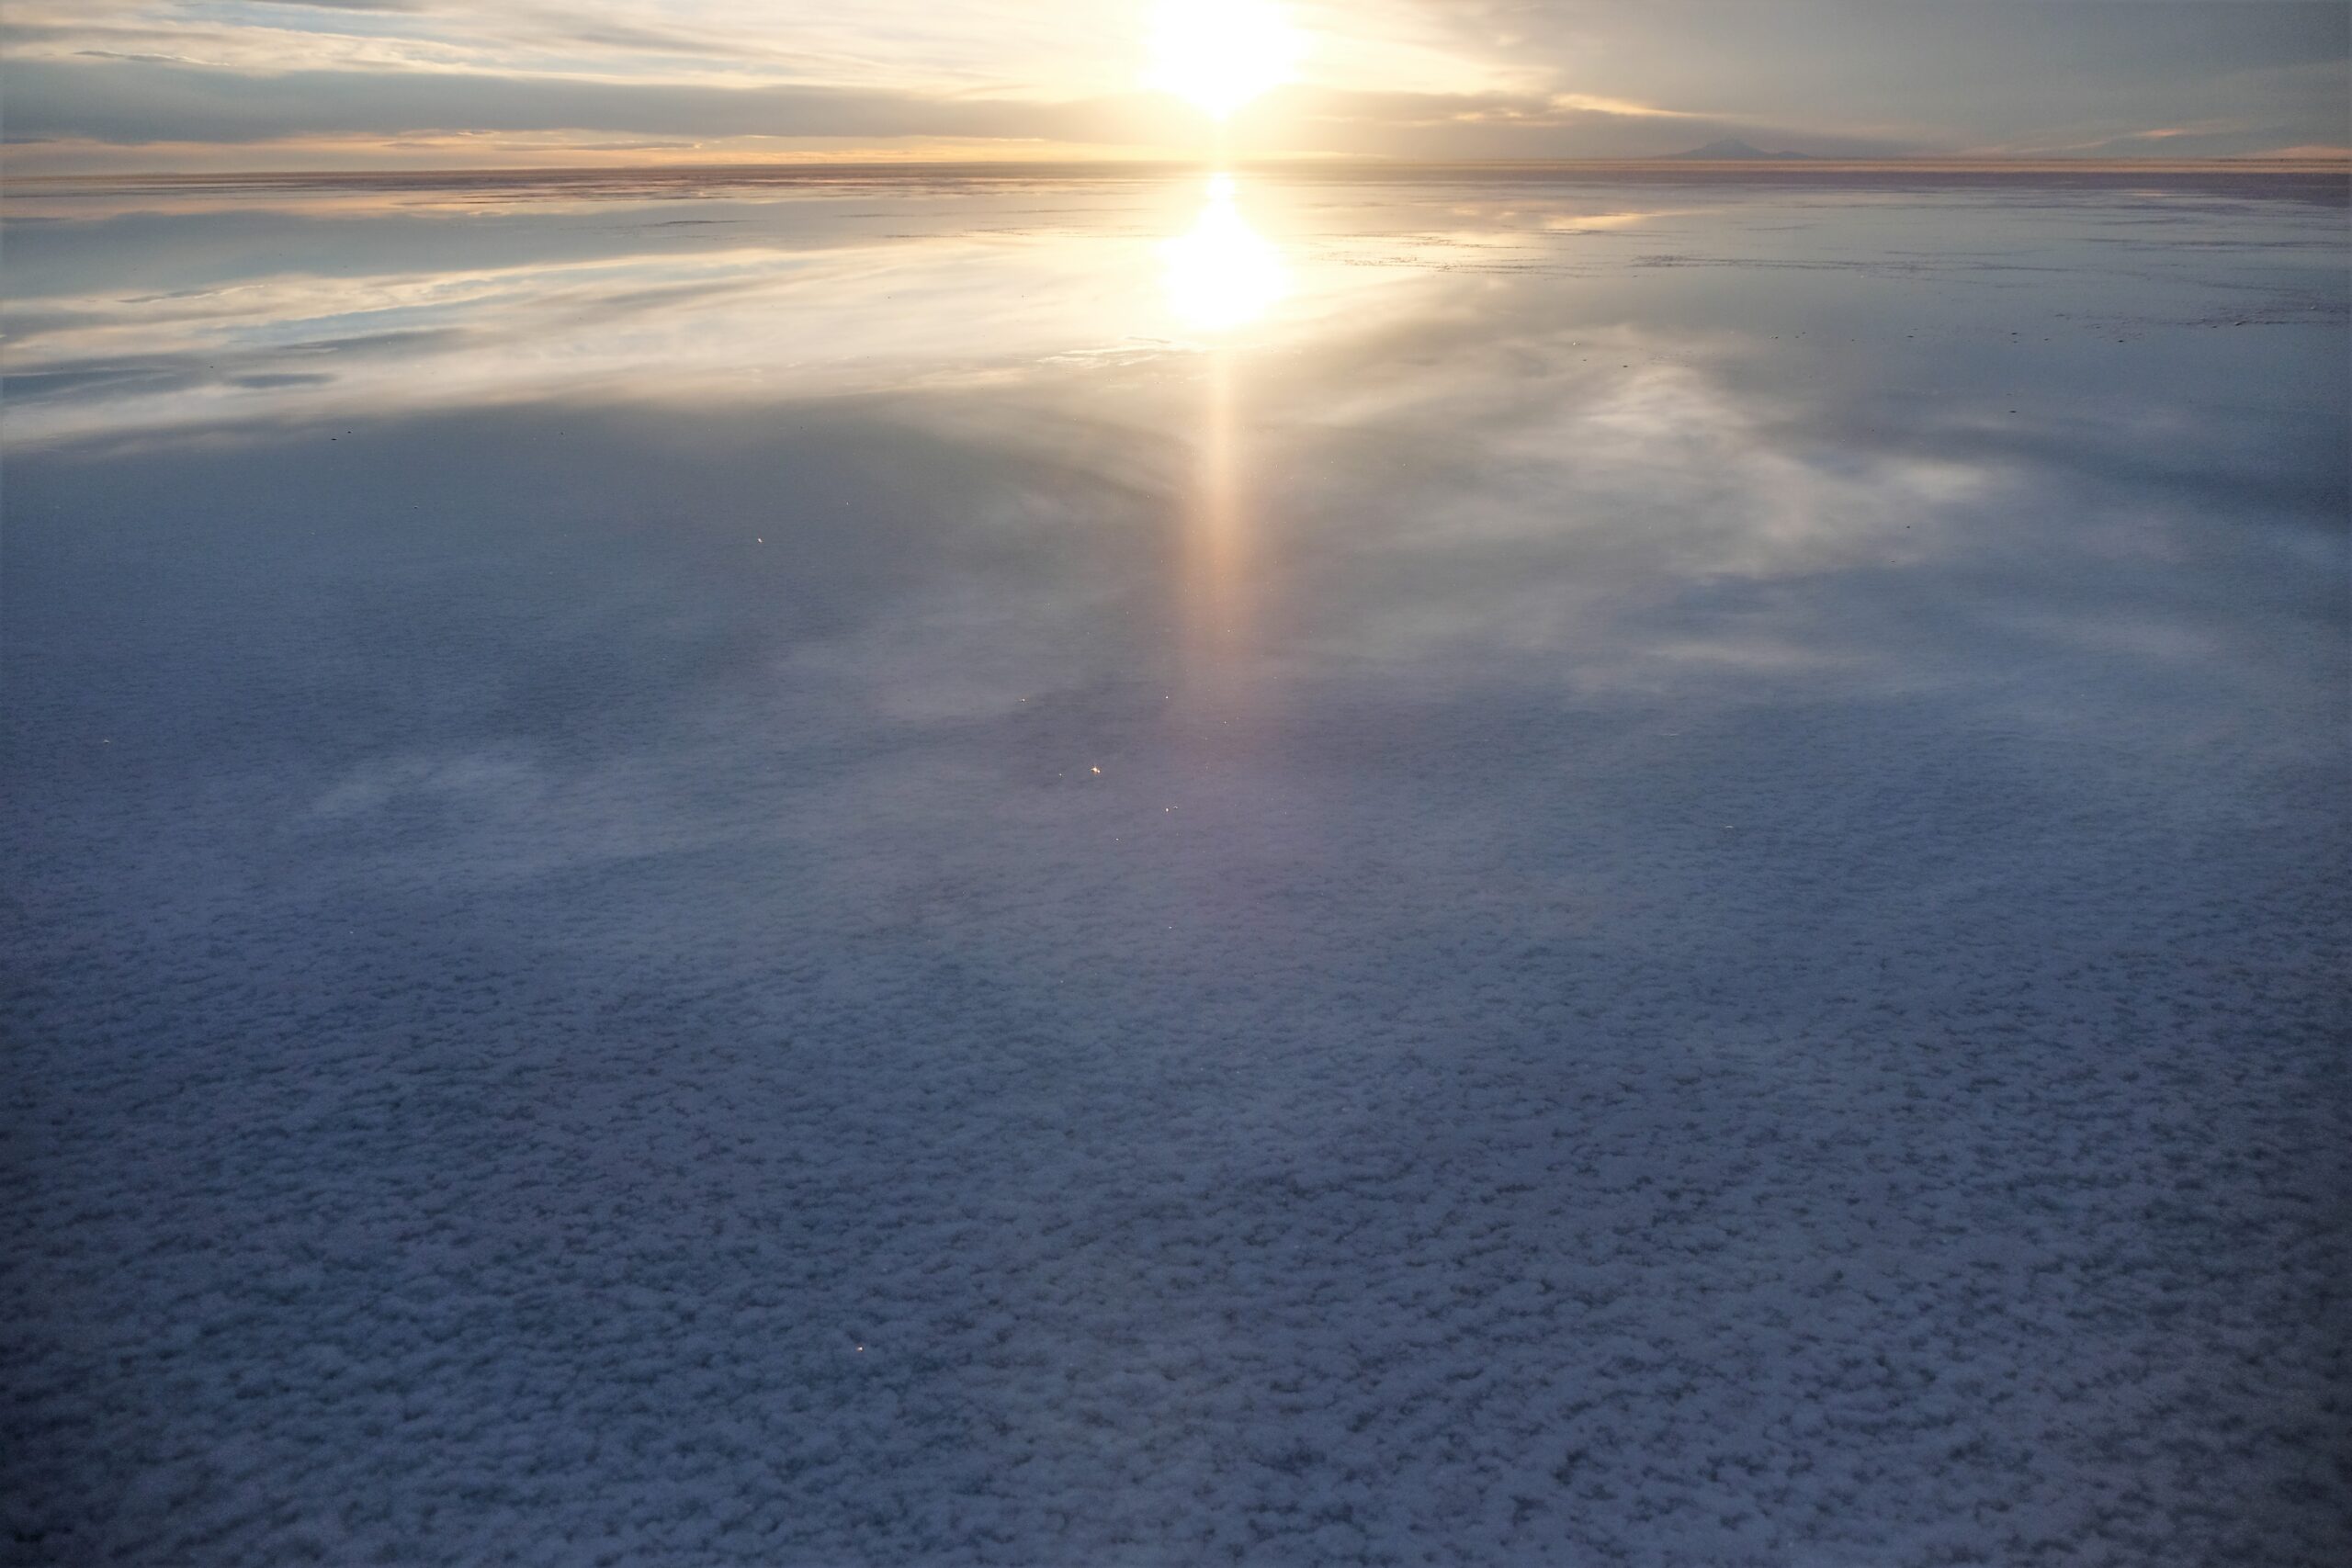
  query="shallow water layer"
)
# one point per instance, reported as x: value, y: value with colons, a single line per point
x: 1120, y: 871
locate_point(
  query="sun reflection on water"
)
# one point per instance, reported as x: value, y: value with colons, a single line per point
x: 1222, y: 273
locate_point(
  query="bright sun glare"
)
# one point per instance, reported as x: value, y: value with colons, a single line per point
x: 1223, y: 274
x: 1222, y: 53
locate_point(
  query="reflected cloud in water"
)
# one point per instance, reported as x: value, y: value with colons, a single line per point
x: 1055, y: 768
x: 404, y: 305
x: 1512, y: 420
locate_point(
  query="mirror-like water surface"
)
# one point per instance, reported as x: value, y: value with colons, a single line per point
x: 1135, y: 871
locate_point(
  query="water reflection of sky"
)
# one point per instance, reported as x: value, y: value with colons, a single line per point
x: 1413, y: 862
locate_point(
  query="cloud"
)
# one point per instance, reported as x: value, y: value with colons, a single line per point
x: 142, y: 59
x: 1990, y: 76
x: 134, y: 102
x: 1528, y: 125
x: 1395, y: 78
x: 138, y: 101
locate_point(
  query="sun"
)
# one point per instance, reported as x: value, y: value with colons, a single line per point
x: 1221, y: 54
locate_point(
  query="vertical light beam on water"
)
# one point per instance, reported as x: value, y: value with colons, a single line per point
x: 1222, y: 275
x: 1216, y: 563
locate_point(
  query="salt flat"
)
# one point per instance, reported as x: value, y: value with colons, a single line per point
x: 1101, y: 870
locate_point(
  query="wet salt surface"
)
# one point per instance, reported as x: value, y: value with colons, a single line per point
x: 1455, y: 872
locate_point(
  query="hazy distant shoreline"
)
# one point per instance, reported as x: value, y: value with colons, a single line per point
x: 2329, y: 180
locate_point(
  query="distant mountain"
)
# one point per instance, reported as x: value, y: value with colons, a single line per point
x: 1731, y: 149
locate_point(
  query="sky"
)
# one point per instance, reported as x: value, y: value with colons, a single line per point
x: 206, y: 84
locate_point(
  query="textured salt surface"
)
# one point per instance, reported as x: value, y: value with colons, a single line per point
x: 1709, y: 930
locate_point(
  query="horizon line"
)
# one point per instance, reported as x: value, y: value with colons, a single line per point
x: 1666, y: 164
